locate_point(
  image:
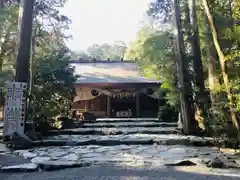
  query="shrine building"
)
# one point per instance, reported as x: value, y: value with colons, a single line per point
x: 114, y: 89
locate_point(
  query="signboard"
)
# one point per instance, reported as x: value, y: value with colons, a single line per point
x: 14, y: 109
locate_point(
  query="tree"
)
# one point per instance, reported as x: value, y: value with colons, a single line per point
x: 202, y: 101
x: 80, y: 55
x: 53, y: 79
x: 43, y: 10
x: 164, y: 10
x: 202, y: 55
x: 53, y: 88
x: 105, y: 51
x: 186, y: 94
x: 153, y: 51
x: 161, y: 10
x: 222, y: 60
x: 7, y: 47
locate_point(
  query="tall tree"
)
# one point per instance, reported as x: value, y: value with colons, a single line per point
x: 50, y: 52
x: 186, y: 96
x: 106, y: 51
x: 202, y: 100
x: 213, y: 80
x: 222, y: 60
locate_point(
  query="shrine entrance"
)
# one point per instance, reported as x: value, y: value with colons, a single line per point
x: 123, y: 108
x: 113, y: 89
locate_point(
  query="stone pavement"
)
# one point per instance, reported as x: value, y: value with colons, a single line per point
x: 134, y: 147
x: 7, y: 158
x: 106, y: 172
x: 134, y: 155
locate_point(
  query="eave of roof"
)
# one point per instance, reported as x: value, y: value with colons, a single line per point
x: 95, y: 72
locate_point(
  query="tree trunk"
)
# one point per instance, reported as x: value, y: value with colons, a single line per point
x: 198, y: 67
x: 202, y: 98
x: 1, y: 94
x: 230, y: 2
x: 1, y: 4
x: 222, y: 61
x: 24, y: 46
x: 187, y: 110
x: 213, y: 80
x: 2, y: 50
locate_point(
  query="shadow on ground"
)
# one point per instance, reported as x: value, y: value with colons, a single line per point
x: 115, y: 172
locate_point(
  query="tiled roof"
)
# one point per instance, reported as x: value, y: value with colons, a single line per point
x: 119, y: 72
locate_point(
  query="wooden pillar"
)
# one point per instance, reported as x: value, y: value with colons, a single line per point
x: 89, y: 105
x: 109, y: 107
x: 137, y: 104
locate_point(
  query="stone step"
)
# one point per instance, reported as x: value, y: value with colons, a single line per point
x: 113, y: 140
x: 128, y: 119
x: 114, y: 131
x: 129, y: 125
x: 113, y: 120
x: 124, y: 121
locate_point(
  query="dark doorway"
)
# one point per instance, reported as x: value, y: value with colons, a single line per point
x: 148, y: 106
x: 122, y: 107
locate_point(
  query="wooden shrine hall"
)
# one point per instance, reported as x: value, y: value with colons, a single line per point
x: 114, y: 89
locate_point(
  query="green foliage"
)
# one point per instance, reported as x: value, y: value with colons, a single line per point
x: 102, y: 52
x: 160, y: 10
x: 154, y: 53
x: 53, y: 89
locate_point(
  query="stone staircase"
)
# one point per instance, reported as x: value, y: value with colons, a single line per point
x: 124, y: 142
x: 112, y: 132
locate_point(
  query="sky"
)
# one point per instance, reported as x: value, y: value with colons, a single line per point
x: 103, y: 21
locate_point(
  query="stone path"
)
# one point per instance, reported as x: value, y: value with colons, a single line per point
x: 133, y: 147
x: 134, y: 155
